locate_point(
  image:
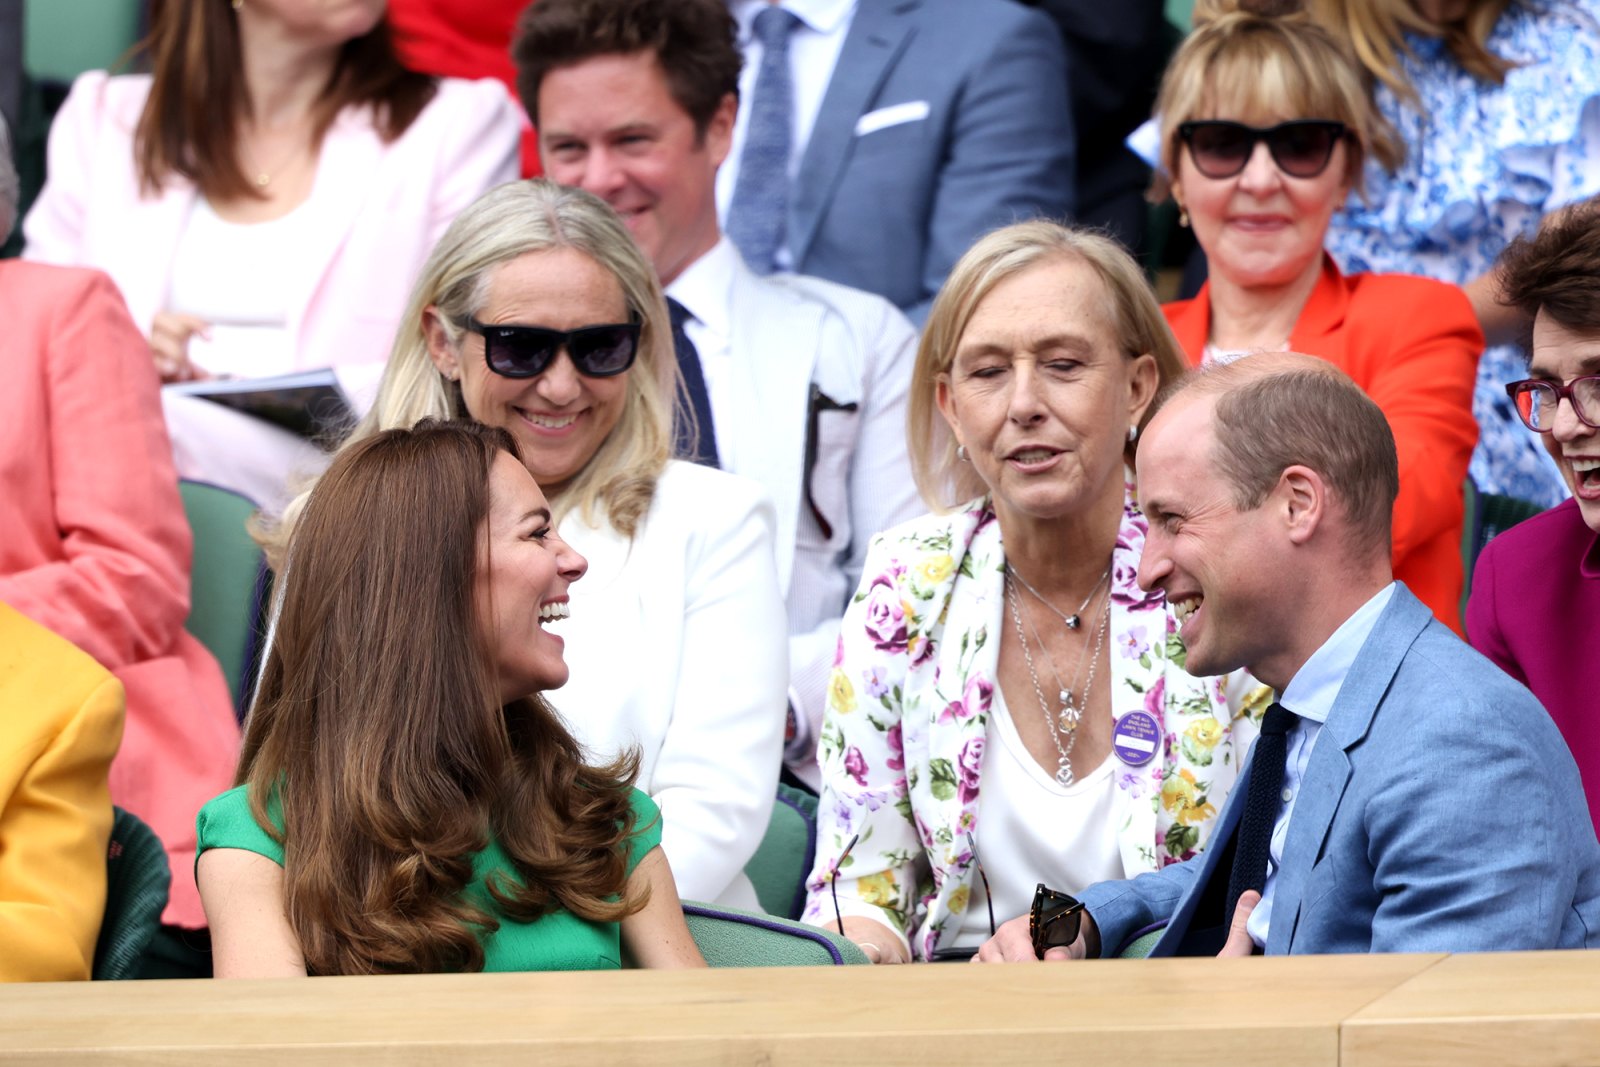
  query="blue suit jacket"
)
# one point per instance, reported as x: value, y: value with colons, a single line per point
x: 1440, y: 812
x: 892, y: 208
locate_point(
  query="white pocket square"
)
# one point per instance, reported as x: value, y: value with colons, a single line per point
x: 893, y: 115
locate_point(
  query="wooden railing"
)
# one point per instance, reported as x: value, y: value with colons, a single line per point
x: 1526, y: 1009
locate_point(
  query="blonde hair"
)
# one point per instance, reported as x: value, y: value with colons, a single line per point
x: 508, y: 221
x: 1240, y: 61
x: 1375, y: 30
x: 1136, y: 321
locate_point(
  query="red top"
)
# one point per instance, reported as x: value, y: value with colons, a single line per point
x: 1412, y: 344
x: 463, y: 39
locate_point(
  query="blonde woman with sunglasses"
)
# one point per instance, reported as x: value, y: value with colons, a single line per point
x: 537, y: 313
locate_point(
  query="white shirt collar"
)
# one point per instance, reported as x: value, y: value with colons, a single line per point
x: 823, y: 16
x: 1315, y: 686
x: 705, y: 287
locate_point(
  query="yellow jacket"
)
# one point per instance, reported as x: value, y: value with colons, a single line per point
x: 60, y: 724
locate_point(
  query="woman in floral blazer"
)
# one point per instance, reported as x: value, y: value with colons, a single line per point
x: 1043, y: 438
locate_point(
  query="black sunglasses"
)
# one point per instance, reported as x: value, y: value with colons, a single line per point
x: 1301, y: 148
x: 528, y: 351
x: 1053, y: 920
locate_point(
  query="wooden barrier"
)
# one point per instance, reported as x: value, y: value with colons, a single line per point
x: 1364, y: 1011
x: 1528, y: 1009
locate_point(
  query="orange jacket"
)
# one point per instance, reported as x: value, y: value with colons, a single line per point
x: 1413, y: 345
x: 60, y: 721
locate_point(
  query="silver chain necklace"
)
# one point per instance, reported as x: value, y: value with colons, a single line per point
x: 1066, y: 720
x: 1074, y: 620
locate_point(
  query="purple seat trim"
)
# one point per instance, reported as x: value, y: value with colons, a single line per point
x: 768, y: 924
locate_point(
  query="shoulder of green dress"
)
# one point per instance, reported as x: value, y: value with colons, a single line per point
x: 227, y: 821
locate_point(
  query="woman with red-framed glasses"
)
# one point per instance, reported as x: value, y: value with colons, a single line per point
x: 1265, y: 126
x: 1535, y: 606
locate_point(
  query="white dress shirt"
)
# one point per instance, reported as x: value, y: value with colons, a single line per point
x: 1310, y: 695
x: 814, y: 46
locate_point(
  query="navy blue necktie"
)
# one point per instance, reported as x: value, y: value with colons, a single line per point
x: 1261, y: 806
x: 760, y: 206
x: 692, y: 395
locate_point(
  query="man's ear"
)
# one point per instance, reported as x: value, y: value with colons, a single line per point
x: 1303, y: 499
x: 718, y: 137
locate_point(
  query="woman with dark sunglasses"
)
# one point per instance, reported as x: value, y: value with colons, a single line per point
x: 537, y: 313
x: 1535, y: 607
x: 1265, y: 125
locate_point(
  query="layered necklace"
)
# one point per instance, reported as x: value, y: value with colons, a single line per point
x: 1064, y: 721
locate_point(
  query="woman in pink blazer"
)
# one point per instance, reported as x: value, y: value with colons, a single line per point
x: 93, y: 543
x: 264, y: 209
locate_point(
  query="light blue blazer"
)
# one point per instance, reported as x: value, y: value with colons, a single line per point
x: 943, y: 119
x: 1440, y: 812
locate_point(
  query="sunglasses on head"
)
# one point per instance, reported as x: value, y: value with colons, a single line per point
x: 1301, y: 148
x: 527, y: 351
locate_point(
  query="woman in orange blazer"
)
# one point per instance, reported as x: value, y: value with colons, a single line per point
x: 93, y: 542
x: 1265, y: 125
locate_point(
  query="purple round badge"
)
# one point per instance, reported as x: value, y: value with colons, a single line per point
x: 1136, y: 738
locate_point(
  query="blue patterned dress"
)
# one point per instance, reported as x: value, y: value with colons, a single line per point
x: 1483, y: 165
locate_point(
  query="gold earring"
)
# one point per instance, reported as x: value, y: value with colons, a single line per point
x: 237, y: 4
x: 1183, y: 212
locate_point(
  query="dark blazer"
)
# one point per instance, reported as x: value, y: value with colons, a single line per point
x: 943, y: 119
x: 1440, y: 812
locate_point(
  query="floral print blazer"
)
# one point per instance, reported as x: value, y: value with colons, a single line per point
x: 901, y: 748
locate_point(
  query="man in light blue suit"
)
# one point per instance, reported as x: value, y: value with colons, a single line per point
x: 1426, y: 802
x: 914, y: 127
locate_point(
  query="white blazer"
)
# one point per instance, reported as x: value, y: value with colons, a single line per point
x: 377, y: 209
x: 676, y: 646
x: 820, y: 372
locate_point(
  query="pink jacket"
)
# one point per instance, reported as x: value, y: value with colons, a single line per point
x: 93, y: 543
x: 379, y: 208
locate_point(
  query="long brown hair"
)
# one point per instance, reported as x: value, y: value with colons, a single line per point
x: 379, y: 738
x: 190, y: 124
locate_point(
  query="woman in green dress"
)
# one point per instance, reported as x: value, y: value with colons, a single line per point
x: 406, y: 800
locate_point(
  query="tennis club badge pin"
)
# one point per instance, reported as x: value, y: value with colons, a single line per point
x: 1135, y: 738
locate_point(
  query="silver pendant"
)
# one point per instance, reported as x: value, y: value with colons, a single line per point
x: 1073, y: 622
x: 1064, y: 772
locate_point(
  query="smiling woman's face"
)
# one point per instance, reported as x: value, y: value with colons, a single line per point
x: 1041, y: 394
x: 523, y: 573
x: 559, y: 418
x: 1261, y: 227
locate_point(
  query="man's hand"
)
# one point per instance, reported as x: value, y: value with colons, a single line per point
x: 1239, y: 943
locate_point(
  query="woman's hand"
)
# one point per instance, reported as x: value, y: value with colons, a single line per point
x: 1013, y: 943
x: 169, y: 344
x: 875, y: 940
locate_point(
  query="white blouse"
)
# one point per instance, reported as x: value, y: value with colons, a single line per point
x: 1033, y: 829
x: 237, y: 277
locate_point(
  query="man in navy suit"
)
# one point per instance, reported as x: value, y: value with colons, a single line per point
x: 1426, y: 802
x: 913, y: 128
